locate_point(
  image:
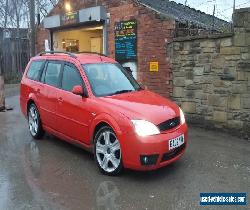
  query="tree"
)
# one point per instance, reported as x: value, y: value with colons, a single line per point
x: 2, y: 95
x: 32, y: 26
x: 16, y: 14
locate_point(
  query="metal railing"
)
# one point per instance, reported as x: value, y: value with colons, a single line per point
x: 57, y: 52
x: 73, y: 55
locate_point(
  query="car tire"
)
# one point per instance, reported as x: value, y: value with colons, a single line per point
x: 34, y: 122
x: 107, y: 152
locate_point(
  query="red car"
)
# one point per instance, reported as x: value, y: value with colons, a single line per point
x: 91, y: 100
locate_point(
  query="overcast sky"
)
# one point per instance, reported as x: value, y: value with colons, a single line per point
x: 223, y: 8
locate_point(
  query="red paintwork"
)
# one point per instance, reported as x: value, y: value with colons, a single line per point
x: 74, y: 118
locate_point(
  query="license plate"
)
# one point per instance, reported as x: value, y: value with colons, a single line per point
x: 176, y: 142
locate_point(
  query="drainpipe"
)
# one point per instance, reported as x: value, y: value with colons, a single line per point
x: 105, y: 38
x: 51, y: 40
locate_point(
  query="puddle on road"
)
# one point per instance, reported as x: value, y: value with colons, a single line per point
x: 4, y: 193
x: 107, y: 195
x: 52, y: 174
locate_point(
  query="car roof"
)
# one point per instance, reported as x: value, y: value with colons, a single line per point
x: 83, y: 58
x: 94, y: 58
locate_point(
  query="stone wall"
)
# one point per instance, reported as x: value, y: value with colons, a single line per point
x: 211, y: 77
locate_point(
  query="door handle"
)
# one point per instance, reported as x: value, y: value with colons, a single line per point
x: 38, y: 91
x: 60, y: 100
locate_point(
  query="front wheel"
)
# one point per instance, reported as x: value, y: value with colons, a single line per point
x: 107, y: 151
x: 35, y: 125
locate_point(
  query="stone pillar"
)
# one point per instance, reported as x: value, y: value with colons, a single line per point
x: 241, y: 18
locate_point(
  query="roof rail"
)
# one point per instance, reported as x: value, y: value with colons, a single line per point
x: 72, y: 55
x: 95, y: 53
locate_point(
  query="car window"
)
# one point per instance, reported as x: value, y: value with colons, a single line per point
x: 71, y: 77
x: 109, y: 79
x: 52, y: 73
x: 35, y: 70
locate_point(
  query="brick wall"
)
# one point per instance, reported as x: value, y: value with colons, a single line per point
x: 153, y: 33
x: 211, y: 77
x: 41, y: 35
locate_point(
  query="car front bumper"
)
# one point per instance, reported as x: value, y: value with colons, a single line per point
x: 156, y: 148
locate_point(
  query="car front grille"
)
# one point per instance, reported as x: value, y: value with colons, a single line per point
x: 170, y: 155
x: 169, y: 124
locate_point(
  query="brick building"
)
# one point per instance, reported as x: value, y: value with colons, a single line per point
x: 135, y: 32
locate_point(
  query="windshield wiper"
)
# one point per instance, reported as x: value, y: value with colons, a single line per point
x: 121, y: 91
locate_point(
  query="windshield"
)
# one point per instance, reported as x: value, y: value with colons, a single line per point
x: 108, y: 79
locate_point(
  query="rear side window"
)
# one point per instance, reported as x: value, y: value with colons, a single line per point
x: 35, y: 70
x: 52, y: 75
x: 71, y: 77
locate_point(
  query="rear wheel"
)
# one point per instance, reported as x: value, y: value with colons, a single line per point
x: 107, y: 152
x: 34, y: 121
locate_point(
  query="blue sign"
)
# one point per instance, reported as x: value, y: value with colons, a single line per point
x: 126, y: 40
x: 223, y: 199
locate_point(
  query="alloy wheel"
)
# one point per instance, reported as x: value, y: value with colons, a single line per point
x: 33, y: 120
x: 108, y: 151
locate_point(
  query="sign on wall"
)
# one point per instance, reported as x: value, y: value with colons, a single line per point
x: 154, y: 66
x: 126, y: 40
x: 70, y: 18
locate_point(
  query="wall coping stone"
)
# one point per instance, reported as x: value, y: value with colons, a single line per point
x: 209, y: 36
x: 247, y: 9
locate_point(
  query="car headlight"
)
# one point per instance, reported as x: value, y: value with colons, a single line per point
x: 182, y: 116
x: 145, y: 128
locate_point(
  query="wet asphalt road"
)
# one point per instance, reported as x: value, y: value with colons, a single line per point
x: 52, y: 174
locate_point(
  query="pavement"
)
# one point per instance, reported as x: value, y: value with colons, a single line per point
x: 52, y: 174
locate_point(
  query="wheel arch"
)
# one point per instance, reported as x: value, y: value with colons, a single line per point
x: 30, y: 101
x: 37, y: 134
x: 101, y: 121
x: 99, y: 126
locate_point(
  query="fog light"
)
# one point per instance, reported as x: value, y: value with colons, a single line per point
x: 147, y: 160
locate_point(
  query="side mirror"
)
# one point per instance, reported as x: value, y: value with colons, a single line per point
x: 77, y: 90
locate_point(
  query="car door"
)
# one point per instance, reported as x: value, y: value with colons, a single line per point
x: 33, y: 85
x: 50, y: 79
x: 73, y: 112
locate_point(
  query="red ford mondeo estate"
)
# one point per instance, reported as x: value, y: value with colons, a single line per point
x: 91, y: 100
